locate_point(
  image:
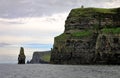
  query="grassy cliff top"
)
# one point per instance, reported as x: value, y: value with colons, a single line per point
x: 87, y: 11
x: 84, y: 22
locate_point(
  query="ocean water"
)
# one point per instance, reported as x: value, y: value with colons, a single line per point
x: 58, y: 71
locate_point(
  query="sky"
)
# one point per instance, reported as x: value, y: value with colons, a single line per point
x: 33, y: 24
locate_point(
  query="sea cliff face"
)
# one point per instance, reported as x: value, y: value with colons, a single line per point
x: 91, y: 36
x: 41, y: 57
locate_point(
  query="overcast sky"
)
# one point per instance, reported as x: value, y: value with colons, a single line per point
x: 38, y: 21
x: 35, y: 23
x: 38, y: 8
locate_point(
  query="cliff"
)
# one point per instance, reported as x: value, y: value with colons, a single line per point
x: 91, y: 36
x: 41, y: 57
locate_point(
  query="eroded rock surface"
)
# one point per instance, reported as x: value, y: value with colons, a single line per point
x: 91, y: 36
x: 21, y: 57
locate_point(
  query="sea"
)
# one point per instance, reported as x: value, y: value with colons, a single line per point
x: 58, y: 71
x: 10, y: 69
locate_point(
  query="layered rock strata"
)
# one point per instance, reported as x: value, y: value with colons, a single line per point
x: 91, y: 36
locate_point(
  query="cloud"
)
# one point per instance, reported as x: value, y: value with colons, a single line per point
x: 39, y: 20
x: 4, y: 44
x: 38, y: 8
x: 40, y: 30
x: 12, y: 21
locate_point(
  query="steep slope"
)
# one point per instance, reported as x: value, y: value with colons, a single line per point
x: 91, y: 36
x: 41, y: 57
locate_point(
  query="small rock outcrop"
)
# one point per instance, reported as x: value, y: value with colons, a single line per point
x: 41, y: 57
x: 21, y: 57
x: 91, y: 36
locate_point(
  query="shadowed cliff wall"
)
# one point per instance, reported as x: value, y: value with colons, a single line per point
x: 91, y: 36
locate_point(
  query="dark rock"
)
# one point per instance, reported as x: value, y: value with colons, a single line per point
x: 28, y: 62
x: 91, y: 36
x: 21, y: 57
x: 108, y: 49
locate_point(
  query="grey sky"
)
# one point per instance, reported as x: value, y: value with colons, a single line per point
x: 37, y: 8
x: 43, y: 18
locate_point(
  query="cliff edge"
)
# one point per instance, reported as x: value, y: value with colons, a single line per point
x: 91, y: 36
x: 41, y: 57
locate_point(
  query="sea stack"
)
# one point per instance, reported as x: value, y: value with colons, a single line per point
x: 21, y: 57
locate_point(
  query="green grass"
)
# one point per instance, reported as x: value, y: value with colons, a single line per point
x: 111, y: 30
x: 103, y: 10
x: 88, y: 11
x: 46, y: 57
x: 82, y: 33
x: 62, y: 37
x: 76, y: 33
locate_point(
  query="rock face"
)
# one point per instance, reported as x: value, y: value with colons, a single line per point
x: 91, y: 36
x: 21, y: 57
x: 108, y: 49
x: 41, y: 57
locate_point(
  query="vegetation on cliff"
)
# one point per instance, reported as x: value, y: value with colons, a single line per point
x: 90, y: 11
x: 111, y: 30
x: 80, y: 34
x: 46, y: 57
x: 41, y: 57
x: 91, y: 36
